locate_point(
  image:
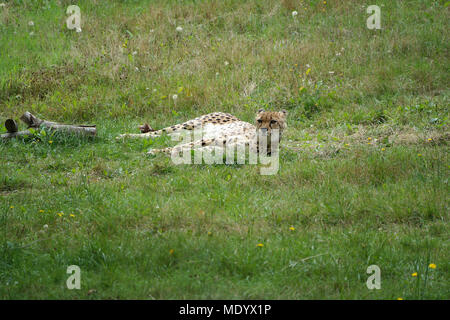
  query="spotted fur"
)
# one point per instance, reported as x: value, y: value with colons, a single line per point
x: 219, y: 130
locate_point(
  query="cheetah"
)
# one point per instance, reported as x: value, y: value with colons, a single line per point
x: 220, y: 130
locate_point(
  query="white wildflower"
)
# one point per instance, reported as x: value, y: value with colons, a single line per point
x: 179, y: 29
x: 30, y: 23
x: 294, y: 13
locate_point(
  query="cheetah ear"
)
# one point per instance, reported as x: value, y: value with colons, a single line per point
x: 284, y: 113
x: 260, y: 110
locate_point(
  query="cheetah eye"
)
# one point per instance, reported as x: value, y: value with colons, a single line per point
x: 273, y: 121
x: 259, y: 121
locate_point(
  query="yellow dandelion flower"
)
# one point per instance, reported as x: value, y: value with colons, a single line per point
x: 382, y: 149
x: 11, y: 207
x: 41, y: 211
x: 292, y: 228
x: 324, y: 2
x: 369, y: 138
x: 308, y: 71
x: 50, y: 142
x: 429, y: 139
x: 171, y: 251
x: 209, y: 233
x: 399, y: 298
x: 260, y: 245
x: 72, y: 215
x: 414, y: 274
x: 419, y: 155
x: 432, y: 266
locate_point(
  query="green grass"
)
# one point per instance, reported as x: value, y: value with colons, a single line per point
x: 364, y: 164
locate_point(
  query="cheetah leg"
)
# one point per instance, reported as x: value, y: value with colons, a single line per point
x: 189, y: 125
x: 178, y: 148
x: 138, y: 135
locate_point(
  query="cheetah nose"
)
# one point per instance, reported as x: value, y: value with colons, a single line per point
x: 264, y: 131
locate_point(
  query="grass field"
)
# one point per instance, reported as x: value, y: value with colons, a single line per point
x: 364, y: 162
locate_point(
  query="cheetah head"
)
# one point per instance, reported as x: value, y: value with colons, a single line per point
x: 266, y: 121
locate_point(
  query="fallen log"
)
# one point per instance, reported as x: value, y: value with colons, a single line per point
x: 11, y: 125
x: 36, y: 123
x: 9, y: 135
